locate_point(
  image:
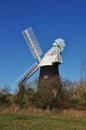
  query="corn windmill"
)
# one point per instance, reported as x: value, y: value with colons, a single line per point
x: 48, y: 64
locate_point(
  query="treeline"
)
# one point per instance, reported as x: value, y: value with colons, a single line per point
x: 56, y: 96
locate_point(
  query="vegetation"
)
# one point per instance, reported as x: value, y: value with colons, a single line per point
x: 52, y: 106
x: 52, y: 95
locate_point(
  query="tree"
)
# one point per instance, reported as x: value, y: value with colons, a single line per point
x: 53, y: 93
x: 5, y: 95
x: 80, y: 91
x: 83, y: 69
x: 28, y: 96
x: 5, y: 90
x: 20, y: 96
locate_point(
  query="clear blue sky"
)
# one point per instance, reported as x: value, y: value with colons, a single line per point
x: 50, y: 19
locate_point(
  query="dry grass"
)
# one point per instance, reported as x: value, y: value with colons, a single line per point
x: 74, y: 113
x: 31, y: 109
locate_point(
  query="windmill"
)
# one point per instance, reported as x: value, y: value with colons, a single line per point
x: 48, y: 64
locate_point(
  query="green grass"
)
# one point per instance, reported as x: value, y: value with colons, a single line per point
x: 50, y: 121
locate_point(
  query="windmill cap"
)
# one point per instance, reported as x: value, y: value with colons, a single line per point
x: 59, y: 42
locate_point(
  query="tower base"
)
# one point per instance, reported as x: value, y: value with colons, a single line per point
x: 49, y: 76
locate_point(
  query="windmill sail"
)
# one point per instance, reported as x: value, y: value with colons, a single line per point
x: 32, y: 43
x: 28, y: 73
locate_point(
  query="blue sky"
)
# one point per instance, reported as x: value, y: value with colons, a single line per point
x: 50, y: 19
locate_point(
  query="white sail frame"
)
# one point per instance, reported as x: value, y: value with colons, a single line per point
x: 32, y: 43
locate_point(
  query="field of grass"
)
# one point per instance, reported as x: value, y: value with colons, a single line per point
x: 43, y: 121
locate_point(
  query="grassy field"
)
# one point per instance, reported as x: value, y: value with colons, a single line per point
x: 43, y: 121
